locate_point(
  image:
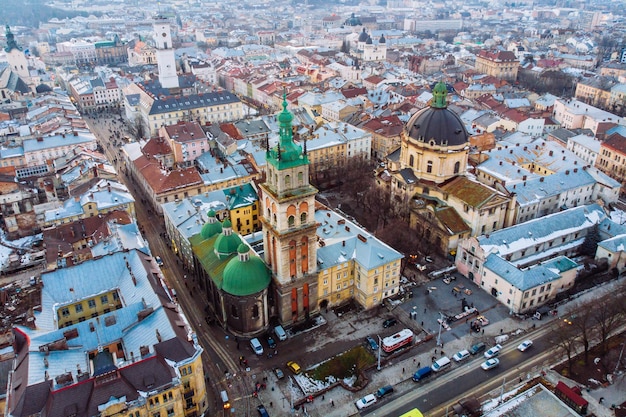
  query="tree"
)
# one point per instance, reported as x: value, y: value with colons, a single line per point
x: 564, y: 339
x: 590, y: 244
x: 607, y: 314
x: 581, y: 320
x: 137, y: 128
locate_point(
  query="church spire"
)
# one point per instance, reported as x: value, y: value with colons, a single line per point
x: 286, y: 153
x: 11, y: 43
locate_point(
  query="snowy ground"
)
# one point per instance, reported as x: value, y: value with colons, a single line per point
x: 24, y: 243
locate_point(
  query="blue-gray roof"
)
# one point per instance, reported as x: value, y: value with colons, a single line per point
x: 616, y: 244
x: 344, y: 240
x: 534, y: 232
x: 536, y: 188
x: 92, y: 278
x: 178, y: 103
x: 525, y: 279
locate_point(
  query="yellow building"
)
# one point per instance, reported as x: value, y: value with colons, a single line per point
x: 108, y: 340
x: 352, y: 263
x: 243, y: 206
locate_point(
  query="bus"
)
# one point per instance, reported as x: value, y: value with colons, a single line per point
x: 412, y: 413
x: 396, y: 341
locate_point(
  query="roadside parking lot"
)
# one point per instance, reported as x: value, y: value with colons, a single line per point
x: 435, y: 297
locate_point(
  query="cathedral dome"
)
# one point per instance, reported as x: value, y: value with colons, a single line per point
x: 353, y: 21
x: 245, y: 275
x: 369, y: 40
x: 227, y: 243
x: 436, y: 125
x: 382, y: 39
x: 211, y: 227
x: 363, y: 36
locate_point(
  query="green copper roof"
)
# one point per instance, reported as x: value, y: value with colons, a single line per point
x: 212, y: 227
x: 440, y: 92
x: 287, y: 154
x: 208, y: 259
x: 227, y: 242
x: 244, y: 277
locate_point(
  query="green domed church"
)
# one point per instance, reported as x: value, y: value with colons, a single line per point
x: 243, y: 290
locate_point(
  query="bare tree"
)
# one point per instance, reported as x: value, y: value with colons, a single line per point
x: 137, y: 128
x: 564, y: 339
x: 582, y: 321
x: 607, y: 313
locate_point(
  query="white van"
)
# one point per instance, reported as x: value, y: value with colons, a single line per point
x: 280, y: 333
x: 256, y: 346
x: 441, y: 364
x: 225, y: 402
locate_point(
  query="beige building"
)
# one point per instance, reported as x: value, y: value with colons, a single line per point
x: 611, y: 158
x: 595, y: 91
x: 500, y: 64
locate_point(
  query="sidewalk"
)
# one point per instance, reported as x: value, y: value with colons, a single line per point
x: 399, y: 372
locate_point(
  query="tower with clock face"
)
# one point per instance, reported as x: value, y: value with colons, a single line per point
x: 165, y: 53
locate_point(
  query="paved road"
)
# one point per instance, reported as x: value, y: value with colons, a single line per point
x: 432, y: 395
x: 218, y: 358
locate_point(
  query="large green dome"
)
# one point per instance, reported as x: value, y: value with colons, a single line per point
x: 227, y: 243
x: 211, y: 227
x: 245, y: 275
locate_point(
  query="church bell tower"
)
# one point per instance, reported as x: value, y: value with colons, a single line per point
x: 289, y: 228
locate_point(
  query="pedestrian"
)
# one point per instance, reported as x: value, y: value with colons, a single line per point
x: 501, y: 331
x: 422, y: 324
x: 442, y: 346
x: 413, y: 360
x: 418, y: 364
x: 323, y: 397
x: 483, y: 331
x: 435, y: 351
x: 425, y: 310
x: 332, y: 403
x: 402, y: 370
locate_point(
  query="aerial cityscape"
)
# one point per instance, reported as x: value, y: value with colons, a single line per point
x: 311, y: 208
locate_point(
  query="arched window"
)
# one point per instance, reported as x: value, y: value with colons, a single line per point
x: 233, y: 311
x: 303, y: 218
x: 429, y: 167
x: 274, y: 218
x: 300, y: 178
x: 411, y: 160
x: 457, y: 167
x: 291, y: 221
x: 287, y: 181
x: 255, y: 311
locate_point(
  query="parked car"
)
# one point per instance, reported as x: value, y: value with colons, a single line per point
x: 525, y: 345
x: 490, y: 364
x: 262, y: 411
x: 271, y: 343
x: 366, y: 401
x: 461, y: 355
x: 294, y: 367
x: 279, y: 373
x: 158, y: 260
x: 371, y: 342
x: 390, y: 322
x: 420, y: 267
x: 477, y: 348
x: 422, y: 373
x: 493, y: 352
x: 383, y: 391
x: 428, y: 259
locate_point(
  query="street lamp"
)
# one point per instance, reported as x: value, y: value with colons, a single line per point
x: 440, y: 325
x: 380, y: 342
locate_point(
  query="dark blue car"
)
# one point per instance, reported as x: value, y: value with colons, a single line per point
x: 370, y: 341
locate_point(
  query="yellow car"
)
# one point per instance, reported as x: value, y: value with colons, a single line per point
x: 294, y: 367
